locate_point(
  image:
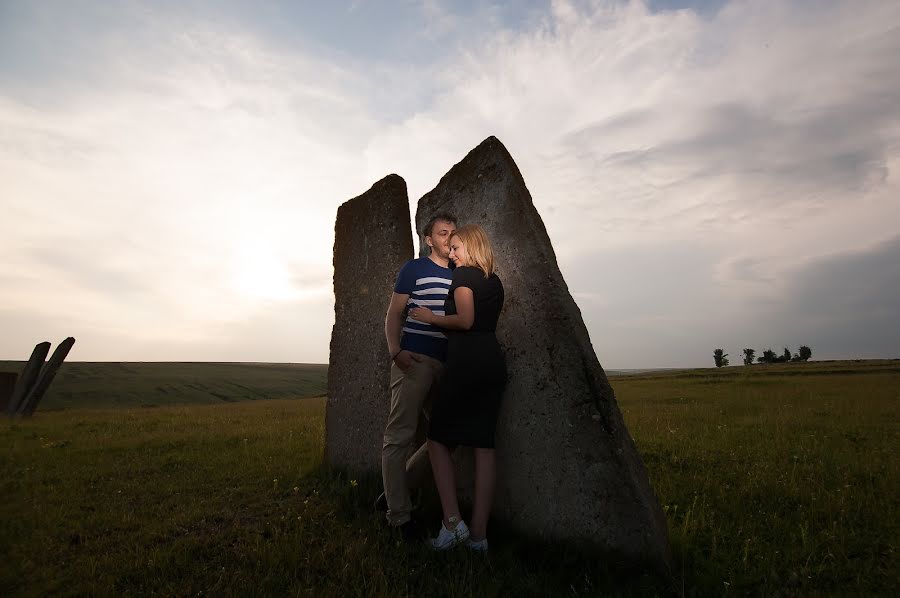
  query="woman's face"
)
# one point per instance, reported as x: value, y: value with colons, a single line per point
x: 458, y: 252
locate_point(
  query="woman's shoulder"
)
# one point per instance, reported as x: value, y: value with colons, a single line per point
x: 467, y: 276
x: 464, y: 271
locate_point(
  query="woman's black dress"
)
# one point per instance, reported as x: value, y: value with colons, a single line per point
x: 465, y: 409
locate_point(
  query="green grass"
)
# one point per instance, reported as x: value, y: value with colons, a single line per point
x: 775, y: 477
x: 131, y: 384
x: 773, y: 483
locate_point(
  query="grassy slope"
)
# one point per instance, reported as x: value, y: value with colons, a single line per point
x: 772, y: 482
x: 109, y: 384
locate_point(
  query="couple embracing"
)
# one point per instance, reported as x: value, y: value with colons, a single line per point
x: 447, y: 364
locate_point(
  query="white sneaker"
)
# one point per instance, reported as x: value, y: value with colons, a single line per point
x: 447, y: 538
x: 477, y: 546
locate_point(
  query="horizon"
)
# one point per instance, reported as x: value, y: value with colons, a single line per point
x: 711, y: 173
x: 605, y: 369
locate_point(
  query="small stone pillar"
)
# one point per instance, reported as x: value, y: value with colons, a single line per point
x: 372, y: 241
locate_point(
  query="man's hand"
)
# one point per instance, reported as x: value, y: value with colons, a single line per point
x: 405, y: 358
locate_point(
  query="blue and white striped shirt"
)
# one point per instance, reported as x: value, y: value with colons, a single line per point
x: 427, y: 284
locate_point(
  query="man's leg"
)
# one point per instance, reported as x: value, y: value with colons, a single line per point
x: 408, y: 393
x: 418, y: 467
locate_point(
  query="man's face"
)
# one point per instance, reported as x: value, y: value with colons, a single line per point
x: 439, y: 241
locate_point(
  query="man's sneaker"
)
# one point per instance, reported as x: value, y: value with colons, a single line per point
x: 477, y: 545
x: 408, y: 532
x: 447, y: 538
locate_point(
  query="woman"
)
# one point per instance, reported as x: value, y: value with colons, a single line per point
x: 465, y: 411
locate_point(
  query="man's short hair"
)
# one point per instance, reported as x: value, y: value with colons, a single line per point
x: 440, y: 217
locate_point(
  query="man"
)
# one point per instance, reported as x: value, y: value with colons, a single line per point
x: 417, y: 353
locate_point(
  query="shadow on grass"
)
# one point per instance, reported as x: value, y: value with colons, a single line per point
x: 517, y: 565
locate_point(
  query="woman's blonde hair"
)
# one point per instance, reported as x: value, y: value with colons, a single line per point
x: 478, y: 248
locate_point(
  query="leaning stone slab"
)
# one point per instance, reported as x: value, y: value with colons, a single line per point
x: 28, y: 377
x: 27, y: 407
x: 7, y: 386
x: 567, y: 467
x: 372, y: 240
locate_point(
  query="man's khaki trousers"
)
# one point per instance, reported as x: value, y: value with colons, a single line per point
x: 401, y: 468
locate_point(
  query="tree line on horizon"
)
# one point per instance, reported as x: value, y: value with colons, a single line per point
x: 720, y: 357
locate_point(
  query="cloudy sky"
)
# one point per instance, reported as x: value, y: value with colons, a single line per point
x: 711, y: 174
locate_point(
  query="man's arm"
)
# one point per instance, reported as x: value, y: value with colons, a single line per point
x: 393, y: 326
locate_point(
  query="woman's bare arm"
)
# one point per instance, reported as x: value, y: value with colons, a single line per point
x: 461, y: 320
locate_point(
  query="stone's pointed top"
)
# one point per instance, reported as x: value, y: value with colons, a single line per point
x: 489, y: 151
x: 487, y: 187
x: 390, y: 180
x: 392, y: 186
x: 491, y: 143
x: 488, y: 156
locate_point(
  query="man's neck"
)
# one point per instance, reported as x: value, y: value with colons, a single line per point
x: 442, y: 262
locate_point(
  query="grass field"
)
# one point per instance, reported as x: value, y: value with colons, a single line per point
x: 776, y: 480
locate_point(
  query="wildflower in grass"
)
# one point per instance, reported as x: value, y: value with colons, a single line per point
x: 353, y: 483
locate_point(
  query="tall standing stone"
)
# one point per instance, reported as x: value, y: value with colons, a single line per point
x: 372, y: 240
x: 567, y: 467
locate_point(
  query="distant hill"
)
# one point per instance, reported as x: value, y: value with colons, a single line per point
x: 808, y: 368
x: 148, y: 384
x: 81, y: 384
x: 636, y: 371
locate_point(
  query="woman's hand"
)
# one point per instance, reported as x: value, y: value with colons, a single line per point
x: 422, y: 314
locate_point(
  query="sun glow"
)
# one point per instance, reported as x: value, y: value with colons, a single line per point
x: 260, y: 273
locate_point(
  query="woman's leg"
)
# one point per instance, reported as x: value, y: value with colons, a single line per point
x: 445, y: 480
x: 485, y: 480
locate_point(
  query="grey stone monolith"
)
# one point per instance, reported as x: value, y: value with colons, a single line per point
x: 48, y: 373
x: 29, y: 376
x: 567, y: 466
x: 372, y: 240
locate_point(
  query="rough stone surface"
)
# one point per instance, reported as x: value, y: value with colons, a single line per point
x: 48, y: 373
x: 29, y: 376
x: 372, y: 240
x: 7, y: 386
x: 567, y: 467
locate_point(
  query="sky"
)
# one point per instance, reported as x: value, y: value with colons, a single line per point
x: 712, y: 174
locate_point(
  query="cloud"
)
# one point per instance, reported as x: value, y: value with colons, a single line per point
x: 174, y: 171
x: 617, y: 109
x: 732, y: 144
